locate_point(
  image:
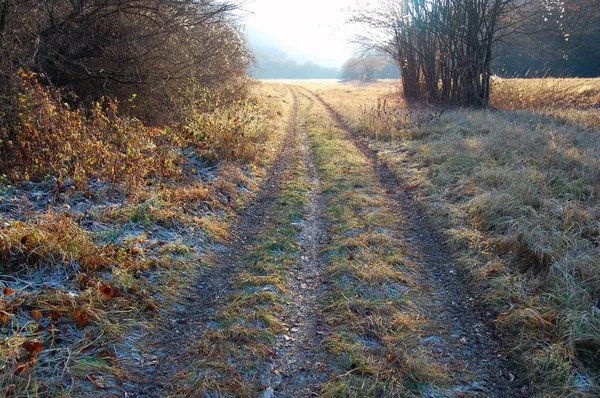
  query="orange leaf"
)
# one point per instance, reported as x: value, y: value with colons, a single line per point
x: 107, y: 291
x: 8, y: 291
x: 36, y: 315
x: 32, y: 347
x: 3, y: 317
x: 21, y: 368
x: 81, y: 317
x: 54, y: 315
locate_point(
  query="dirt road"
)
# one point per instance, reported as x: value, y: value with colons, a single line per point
x: 336, y: 286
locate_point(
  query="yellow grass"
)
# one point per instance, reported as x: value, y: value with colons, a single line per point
x: 516, y: 194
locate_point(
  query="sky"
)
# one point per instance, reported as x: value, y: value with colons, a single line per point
x: 310, y: 30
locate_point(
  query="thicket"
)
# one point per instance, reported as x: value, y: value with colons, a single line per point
x: 446, y: 49
x: 115, y: 89
x: 442, y: 47
x: 126, y: 48
x: 559, y: 38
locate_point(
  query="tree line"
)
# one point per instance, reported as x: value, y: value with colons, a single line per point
x: 152, y: 49
x: 446, y: 49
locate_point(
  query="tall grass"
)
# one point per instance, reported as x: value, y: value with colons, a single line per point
x: 516, y: 194
x: 104, y: 222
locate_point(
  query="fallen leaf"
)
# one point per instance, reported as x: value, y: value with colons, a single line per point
x: 107, y: 291
x: 21, y: 368
x: 32, y: 347
x: 97, y: 381
x: 81, y: 317
x: 8, y: 291
x: 54, y: 315
x: 3, y: 317
x: 36, y: 315
x: 88, y: 348
x: 151, y: 308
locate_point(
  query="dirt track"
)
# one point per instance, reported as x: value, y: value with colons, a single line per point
x: 454, y: 336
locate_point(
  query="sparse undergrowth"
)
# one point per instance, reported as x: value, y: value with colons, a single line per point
x: 516, y: 196
x: 103, y: 221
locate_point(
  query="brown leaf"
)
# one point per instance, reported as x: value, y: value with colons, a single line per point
x: 151, y: 308
x: 81, y: 317
x: 3, y: 317
x: 21, y: 368
x: 89, y: 347
x: 32, y: 347
x: 36, y: 315
x: 54, y: 315
x: 97, y: 381
x: 24, y: 239
x: 8, y: 291
x: 107, y: 291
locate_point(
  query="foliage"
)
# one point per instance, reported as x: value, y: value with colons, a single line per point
x: 119, y: 49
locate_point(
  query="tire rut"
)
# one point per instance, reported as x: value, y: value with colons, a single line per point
x: 460, y: 338
x: 197, y: 306
x: 300, y: 359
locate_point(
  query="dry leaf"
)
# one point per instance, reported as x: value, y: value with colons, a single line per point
x: 107, y: 291
x: 151, y: 308
x: 21, y: 368
x: 8, y: 291
x: 81, y: 317
x: 89, y: 347
x: 54, y: 315
x: 32, y: 347
x: 3, y: 317
x: 36, y: 315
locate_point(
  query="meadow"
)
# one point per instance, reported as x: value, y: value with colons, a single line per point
x: 513, y: 191
x: 108, y: 226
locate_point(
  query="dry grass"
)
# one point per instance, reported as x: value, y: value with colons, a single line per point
x: 573, y: 100
x: 235, y: 347
x: 87, y: 268
x: 374, y: 324
x: 516, y: 194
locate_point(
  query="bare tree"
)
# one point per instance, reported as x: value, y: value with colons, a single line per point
x: 444, y: 48
x: 365, y: 68
x: 153, y: 48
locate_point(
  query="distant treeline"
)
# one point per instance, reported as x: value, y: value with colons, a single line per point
x: 288, y: 69
x: 369, y: 68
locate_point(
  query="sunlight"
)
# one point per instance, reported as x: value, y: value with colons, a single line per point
x: 310, y: 30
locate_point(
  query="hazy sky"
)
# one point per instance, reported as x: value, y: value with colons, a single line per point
x: 311, y: 29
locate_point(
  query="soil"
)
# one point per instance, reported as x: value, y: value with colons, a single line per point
x: 154, y: 373
x: 300, y: 362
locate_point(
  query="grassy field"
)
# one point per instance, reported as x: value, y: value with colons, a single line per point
x: 96, y: 253
x: 514, y: 192
x: 107, y: 226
